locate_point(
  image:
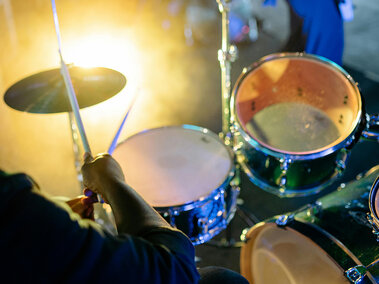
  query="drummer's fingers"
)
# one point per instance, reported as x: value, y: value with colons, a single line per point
x: 87, y: 157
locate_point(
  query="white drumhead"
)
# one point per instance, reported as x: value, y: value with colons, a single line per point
x: 276, y: 255
x: 174, y: 165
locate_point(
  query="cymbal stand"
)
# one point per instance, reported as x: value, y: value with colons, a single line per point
x: 226, y: 55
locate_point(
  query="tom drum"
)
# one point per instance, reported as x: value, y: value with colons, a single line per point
x: 295, y: 118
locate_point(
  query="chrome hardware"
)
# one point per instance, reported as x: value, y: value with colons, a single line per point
x: 375, y: 229
x: 370, y: 133
x: 282, y: 179
x: 355, y: 274
x: 314, y: 209
x: 341, y: 166
x: 202, y: 224
x: 283, y: 220
x: 243, y: 237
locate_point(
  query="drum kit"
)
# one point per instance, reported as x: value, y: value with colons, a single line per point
x: 289, y: 124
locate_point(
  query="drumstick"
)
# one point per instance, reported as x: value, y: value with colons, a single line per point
x: 68, y: 84
x: 113, y: 145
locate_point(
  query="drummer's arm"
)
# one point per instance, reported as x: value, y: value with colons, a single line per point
x: 133, y: 215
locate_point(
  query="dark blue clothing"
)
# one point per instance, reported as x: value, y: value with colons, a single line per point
x: 322, y: 27
x: 44, y: 242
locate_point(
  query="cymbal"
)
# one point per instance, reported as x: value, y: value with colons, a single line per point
x: 45, y: 92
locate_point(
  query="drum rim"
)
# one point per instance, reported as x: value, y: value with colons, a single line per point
x: 374, y: 190
x: 212, y: 194
x: 308, y: 155
x: 304, y: 228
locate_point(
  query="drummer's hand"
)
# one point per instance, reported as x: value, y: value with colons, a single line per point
x: 83, y: 205
x: 100, y: 172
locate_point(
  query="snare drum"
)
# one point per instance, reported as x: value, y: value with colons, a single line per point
x: 185, y: 173
x: 295, y: 116
x: 329, y: 241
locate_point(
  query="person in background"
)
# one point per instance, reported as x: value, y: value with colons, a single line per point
x: 316, y: 26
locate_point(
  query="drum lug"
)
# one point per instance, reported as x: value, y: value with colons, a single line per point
x: 356, y: 273
x: 284, y: 220
x: 202, y: 224
x: 282, y: 179
x: 170, y: 215
x: 237, y: 143
x: 375, y: 229
x: 341, y: 163
x: 243, y: 236
x: 314, y: 210
x: 371, y: 131
x: 341, y: 166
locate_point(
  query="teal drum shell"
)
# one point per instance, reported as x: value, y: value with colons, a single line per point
x: 302, y: 97
x: 337, y: 223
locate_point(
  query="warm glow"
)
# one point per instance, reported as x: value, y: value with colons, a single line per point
x: 119, y: 53
x: 106, y: 50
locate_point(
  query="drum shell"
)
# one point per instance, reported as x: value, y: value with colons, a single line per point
x: 303, y: 177
x: 201, y: 220
x: 337, y: 223
x: 290, y: 174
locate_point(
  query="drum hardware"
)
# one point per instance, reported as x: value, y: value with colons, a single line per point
x: 375, y: 228
x: 204, y: 224
x: 359, y: 274
x: 311, y: 210
x: 356, y: 274
x: 226, y: 55
x: 283, y: 220
x: 371, y: 129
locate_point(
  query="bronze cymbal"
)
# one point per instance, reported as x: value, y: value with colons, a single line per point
x: 45, y: 92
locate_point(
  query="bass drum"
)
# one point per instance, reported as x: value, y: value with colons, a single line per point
x: 329, y: 241
x: 186, y: 173
x: 295, y: 118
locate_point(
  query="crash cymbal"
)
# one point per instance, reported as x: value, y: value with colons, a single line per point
x: 45, y: 92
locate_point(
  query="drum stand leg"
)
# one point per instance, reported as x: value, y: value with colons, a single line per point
x: 228, y: 241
